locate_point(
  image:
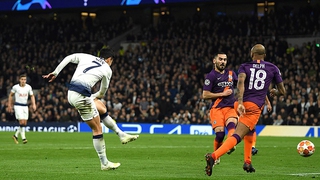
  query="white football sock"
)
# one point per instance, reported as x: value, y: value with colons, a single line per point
x: 111, y: 124
x: 100, y: 147
x: 18, y: 132
x: 23, y: 132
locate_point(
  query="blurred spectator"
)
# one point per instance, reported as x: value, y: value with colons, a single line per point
x: 294, y: 114
x: 310, y: 105
x: 283, y: 114
x: 144, y: 106
x: 186, y: 121
x: 307, y: 118
x: 278, y: 121
x: 153, y: 117
x: 298, y: 120
x: 315, y: 122
x: 176, y: 118
x: 275, y: 106
x: 302, y: 105
x: 266, y: 120
x: 117, y: 105
x: 3, y: 117
x: 3, y: 88
x: 290, y: 121
x: 166, y: 120
x: 304, y: 122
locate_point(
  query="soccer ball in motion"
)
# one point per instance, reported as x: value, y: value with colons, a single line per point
x: 305, y: 148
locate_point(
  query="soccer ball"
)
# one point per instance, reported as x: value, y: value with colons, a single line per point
x: 305, y: 148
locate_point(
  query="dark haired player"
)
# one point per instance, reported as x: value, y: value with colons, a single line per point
x: 21, y: 92
x: 254, y: 80
x: 218, y: 86
x: 90, y: 70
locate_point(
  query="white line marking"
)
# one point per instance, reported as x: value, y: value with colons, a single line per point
x: 303, y: 174
x: 55, y: 147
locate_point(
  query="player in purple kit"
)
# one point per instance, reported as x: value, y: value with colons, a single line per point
x: 218, y: 86
x: 254, y: 80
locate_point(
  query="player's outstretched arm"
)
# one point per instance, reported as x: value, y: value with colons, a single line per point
x: 51, y: 77
x: 71, y: 58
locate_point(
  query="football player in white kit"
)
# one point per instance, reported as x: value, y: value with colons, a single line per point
x: 21, y: 93
x: 90, y: 70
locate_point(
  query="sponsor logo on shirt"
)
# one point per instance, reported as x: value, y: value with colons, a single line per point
x: 225, y: 84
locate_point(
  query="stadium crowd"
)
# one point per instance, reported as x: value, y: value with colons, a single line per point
x: 160, y: 81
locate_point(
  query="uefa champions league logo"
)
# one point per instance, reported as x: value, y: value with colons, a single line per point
x: 23, y: 7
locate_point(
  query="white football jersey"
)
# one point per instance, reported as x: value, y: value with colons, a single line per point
x: 21, y: 94
x: 90, y: 70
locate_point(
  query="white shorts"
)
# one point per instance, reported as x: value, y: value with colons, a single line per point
x: 85, y: 105
x: 21, y: 112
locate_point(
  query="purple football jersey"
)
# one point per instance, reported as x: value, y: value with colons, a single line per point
x: 216, y: 83
x: 259, y: 75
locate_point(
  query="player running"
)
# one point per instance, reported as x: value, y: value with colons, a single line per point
x: 218, y: 87
x: 21, y: 93
x: 254, y: 80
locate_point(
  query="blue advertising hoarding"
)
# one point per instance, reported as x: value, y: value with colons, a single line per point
x: 25, y: 5
x: 41, y: 127
x: 157, y: 129
x: 186, y: 129
x: 270, y: 130
x: 162, y: 128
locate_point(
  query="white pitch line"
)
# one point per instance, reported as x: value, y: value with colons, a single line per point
x: 303, y: 174
x: 90, y: 147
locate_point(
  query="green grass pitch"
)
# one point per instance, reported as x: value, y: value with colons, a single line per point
x: 71, y: 156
